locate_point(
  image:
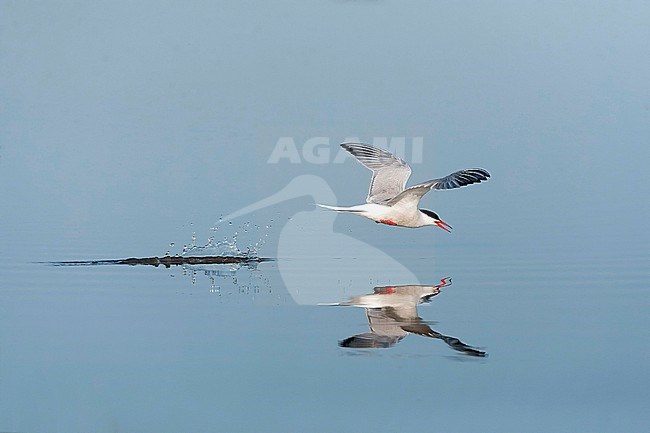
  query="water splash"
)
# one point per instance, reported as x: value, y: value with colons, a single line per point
x: 228, y: 245
x: 224, y: 247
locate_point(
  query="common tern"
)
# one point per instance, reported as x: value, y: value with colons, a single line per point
x: 389, y: 201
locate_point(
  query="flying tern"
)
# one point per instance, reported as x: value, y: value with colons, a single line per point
x: 389, y: 201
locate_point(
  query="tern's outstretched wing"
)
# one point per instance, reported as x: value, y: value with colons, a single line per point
x: 389, y: 173
x: 385, y: 331
x: 454, y: 180
x: 369, y: 340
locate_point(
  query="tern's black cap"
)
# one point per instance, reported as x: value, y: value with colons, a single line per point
x: 430, y: 213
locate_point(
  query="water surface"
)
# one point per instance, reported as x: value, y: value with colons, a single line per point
x: 133, y: 131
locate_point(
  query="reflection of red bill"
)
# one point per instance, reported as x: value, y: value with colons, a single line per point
x: 443, y: 283
x: 443, y: 225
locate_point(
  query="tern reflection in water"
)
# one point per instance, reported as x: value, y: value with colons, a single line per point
x: 392, y: 315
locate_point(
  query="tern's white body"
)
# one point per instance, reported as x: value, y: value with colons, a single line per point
x: 389, y: 201
x: 391, y: 215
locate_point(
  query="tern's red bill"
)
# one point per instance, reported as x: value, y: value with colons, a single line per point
x: 443, y: 225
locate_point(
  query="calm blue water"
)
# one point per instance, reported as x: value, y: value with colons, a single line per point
x: 133, y: 130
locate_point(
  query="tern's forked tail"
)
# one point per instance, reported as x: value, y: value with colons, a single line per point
x: 340, y: 209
